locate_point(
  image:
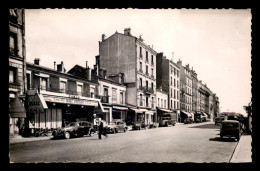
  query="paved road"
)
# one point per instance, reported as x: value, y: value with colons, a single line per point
x: 183, y: 143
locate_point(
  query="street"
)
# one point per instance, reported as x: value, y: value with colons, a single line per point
x: 198, y: 143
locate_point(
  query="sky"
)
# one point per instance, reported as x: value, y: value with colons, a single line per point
x: 215, y: 43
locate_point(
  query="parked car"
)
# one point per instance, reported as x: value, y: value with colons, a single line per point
x: 115, y: 127
x: 219, y: 119
x: 76, y: 129
x: 230, y: 128
x: 139, y: 126
x: 168, y: 119
x: 197, y: 117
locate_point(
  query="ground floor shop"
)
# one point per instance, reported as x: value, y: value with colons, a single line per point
x: 135, y: 115
x: 47, y: 112
x: 17, y: 115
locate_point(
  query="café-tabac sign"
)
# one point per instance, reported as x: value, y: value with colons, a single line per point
x: 70, y: 101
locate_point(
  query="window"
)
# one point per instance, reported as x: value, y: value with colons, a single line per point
x: 63, y: 86
x: 174, y: 71
x: 171, y: 92
x: 141, y: 83
x: 79, y: 89
x: 114, y: 99
x: 174, y: 105
x: 171, y: 80
x: 92, y: 92
x: 141, y: 70
x: 141, y: 52
x: 146, y: 70
x: 171, y: 104
x: 152, y: 59
x: 177, y: 84
x: 158, y: 102
x: 43, y: 83
x: 161, y: 102
x: 164, y: 103
x: 152, y: 103
x: 146, y: 85
x: 28, y: 79
x: 152, y: 86
x: 152, y: 72
x: 174, y: 93
x: 177, y: 94
x: 146, y: 56
x: 13, y: 44
x: 147, y: 100
x: 121, y: 97
x: 12, y: 75
x: 174, y: 82
x: 141, y: 100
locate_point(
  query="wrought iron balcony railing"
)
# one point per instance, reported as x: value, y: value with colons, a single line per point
x: 147, y: 90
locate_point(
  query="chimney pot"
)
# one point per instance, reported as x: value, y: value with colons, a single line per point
x: 37, y: 61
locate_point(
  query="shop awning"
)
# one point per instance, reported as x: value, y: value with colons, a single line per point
x: 36, y: 102
x: 120, y: 108
x: 186, y: 113
x: 150, y: 112
x: 100, y: 106
x: 16, y: 109
x: 139, y: 110
x: 165, y: 110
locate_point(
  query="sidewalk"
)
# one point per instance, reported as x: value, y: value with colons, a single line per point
x: 15, y: 140
x: 243, y: 151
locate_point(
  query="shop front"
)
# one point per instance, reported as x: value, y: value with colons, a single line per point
x: 185, y: 116
x: 17, y: 115
x: 48, y: 111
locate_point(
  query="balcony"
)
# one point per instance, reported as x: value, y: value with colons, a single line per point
x: 147, y: 90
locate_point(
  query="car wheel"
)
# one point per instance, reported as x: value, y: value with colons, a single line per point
x: 67, y: 135
x: 91, y: 134
x: 125, y: 130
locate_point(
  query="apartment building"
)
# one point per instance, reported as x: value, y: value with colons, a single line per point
x: 17, y: 70
x: 129, y: 55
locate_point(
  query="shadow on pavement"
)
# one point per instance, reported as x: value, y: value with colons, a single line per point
x: 207, y: 126
x: 223, y: 140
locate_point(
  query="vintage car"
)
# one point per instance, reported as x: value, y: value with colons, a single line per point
x: 115, y: 127
x: 76, y: 129
x: 230, y: 128
x: 168, y: 119
x: 219, y: 119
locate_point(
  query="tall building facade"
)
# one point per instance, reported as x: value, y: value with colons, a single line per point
x: 188, y: 96
x: 168, y: 79
x: 17, y: 70
x: 127, y: 54
x: 194, y: 79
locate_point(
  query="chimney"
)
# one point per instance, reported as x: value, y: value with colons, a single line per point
x: 37, y: 61
x: 127, y: 31
x: 103, y: 37
x: 60, y: 67
x: 86, y: 64
x: 179, y: 62
x: 54, y: 65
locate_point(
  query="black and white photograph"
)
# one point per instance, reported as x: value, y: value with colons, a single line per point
x: 130, y: 85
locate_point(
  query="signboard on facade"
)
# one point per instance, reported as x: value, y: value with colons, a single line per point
x: 36, y: 102
x: 70, y: 101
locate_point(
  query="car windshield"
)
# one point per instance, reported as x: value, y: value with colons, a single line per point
x: 71, y: 124
x: 228, y: 124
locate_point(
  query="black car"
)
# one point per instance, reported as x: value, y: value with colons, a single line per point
x: 230, y: 128
x: 76, y: 129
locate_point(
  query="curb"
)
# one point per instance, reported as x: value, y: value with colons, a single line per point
x: 25, y: 140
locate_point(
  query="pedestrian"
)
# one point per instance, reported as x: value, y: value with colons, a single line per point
x: 101, y: 130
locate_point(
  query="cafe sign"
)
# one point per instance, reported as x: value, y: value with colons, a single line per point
x: 70, y: 101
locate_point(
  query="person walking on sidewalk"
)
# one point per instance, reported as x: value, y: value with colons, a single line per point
x: 101, y: 130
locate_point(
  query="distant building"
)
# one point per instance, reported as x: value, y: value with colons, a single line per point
x: 17, y: 70
x: 129, y: 55
x: 215, y: 105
